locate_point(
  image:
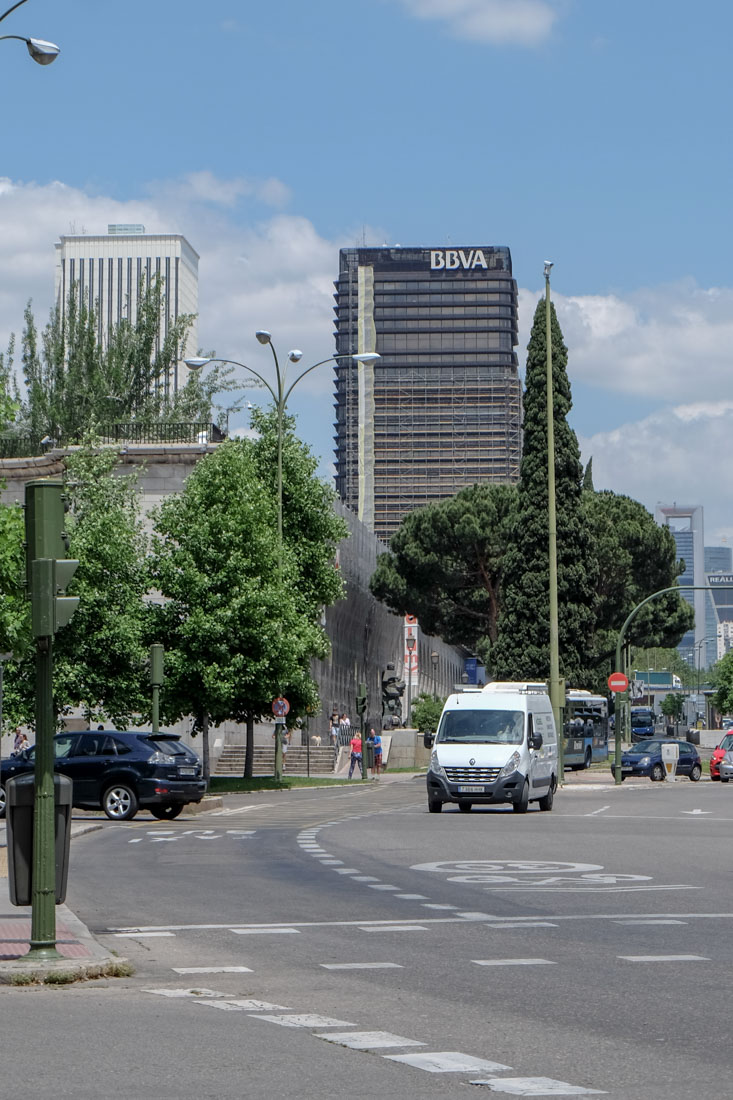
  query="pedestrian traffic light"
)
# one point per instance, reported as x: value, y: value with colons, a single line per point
x: 48, y: 570
x: 361, y: 699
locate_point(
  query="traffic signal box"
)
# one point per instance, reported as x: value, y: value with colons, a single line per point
x: 361, y: 700
x: 48, y: 570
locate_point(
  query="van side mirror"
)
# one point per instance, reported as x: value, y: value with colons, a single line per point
x: 428, y: 738
x: 535, y: 740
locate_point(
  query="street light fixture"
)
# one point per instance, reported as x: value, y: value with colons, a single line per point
x: 280, y: 394
x: 556, y: 687
x: 41, y: 51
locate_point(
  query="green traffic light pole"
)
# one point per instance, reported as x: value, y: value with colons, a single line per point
x: 280, y: 394
x: 624, y: 696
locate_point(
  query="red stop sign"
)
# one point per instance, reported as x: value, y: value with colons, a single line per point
x: 618, y: 682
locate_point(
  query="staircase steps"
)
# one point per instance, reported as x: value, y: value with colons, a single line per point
x: 231, y: 760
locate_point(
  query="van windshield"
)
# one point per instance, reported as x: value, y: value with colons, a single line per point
x: 489, y: 727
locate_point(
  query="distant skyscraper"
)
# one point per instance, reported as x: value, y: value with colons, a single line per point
x: 718, y: 603
x: 685, y: 523
x: 442, y: 408
x: 109, y: 271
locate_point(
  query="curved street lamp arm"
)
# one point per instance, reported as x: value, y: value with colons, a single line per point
x: 309, y: 369
x: 234, y: 363
x: 5, y: 14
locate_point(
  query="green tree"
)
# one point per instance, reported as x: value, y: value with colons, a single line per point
x: 522, y: 648
x: 632, y: 557
x: 444, y: 564
x: 426, y: 712
x: 235, y: 636
x: 673, y: 706
x: 722, y: 678
x: 99, y: 657
x: 14, y: 611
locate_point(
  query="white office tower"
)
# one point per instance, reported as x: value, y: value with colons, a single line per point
x: 109, y: 272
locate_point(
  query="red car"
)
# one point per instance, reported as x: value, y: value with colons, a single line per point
x: 719, y: 753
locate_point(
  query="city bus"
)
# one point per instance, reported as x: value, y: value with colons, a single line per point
x: 585, y: 729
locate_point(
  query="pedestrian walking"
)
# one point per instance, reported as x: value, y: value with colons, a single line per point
x: 17, y: 740
x: 356, y: 755
x: 284, y: 740
x: 376, y: 743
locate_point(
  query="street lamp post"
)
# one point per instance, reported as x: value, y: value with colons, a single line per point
x: 435, y: 658
x: 41, y: 51
x: 410, y: 642
x: 557, y: 692
x: 280, y: 394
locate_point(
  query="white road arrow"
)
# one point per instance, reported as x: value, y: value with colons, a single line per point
x: 696, y: 811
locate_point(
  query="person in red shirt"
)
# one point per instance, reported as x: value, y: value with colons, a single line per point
x: 356, y: 755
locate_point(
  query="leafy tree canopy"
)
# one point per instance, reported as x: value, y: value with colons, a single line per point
x: 445, y: 564
x: 426, y: 712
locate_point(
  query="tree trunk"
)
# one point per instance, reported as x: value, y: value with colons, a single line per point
x: 249, y: 747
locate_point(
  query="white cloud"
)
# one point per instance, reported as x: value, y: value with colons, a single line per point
x: 671, y: 343
x: 500, y: 22
x: 678, y: 454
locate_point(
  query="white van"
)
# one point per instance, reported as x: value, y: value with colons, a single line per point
x: 495, y: 745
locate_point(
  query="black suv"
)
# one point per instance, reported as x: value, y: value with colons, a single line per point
x: 120, y: 772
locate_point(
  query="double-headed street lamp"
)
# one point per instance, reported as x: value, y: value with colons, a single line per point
x: 41, y: 51
x: 280, y: 394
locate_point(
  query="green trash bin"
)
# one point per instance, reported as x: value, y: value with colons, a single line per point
x: 20, y: 804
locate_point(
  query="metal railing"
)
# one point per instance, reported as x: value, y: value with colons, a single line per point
x: 196, y: 431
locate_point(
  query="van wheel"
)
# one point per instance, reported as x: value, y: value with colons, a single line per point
x: 434, y: 805
x: 464, y: 806
x: 549, y: 798
x: 521, y: 806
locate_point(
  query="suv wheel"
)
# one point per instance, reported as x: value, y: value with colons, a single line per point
x: 119, y: 802
x: 166, y: 812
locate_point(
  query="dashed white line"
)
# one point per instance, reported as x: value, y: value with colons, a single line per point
x: 524, y: 924
x: 536, y: 1086
x: 141, y: 935
x: 245, y: 1006
x: 368, y: 1040
x: 394, y: 928
x: 362, y: 966
x: 447, y: 1061
x: 304, y: 1020
x: 265, y: 931
x: 642, y: 922
x: 513, y: 962
x: 211, y: 969
x: 663, y: 958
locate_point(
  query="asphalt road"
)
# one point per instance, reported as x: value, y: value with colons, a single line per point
x: 295, y: 944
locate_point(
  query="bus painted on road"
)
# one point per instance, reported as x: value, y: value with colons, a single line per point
x: 585, y: 729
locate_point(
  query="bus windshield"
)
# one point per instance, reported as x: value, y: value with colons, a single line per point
x: 486, y: 727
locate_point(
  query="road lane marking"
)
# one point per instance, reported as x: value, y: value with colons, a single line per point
x: 240, y: 1005
x: 368, y: 1040
x: 412, y: 897
x: 513, y: 962
x: 447, y: 1061
x: 600, y: 811
x: 382, y: 886
x: 524, y: 924
x: 141, y: 935
x: 362, y: 966
x: 211, y: 969
x: 642, y: 922
x: 265, y: 931
x: 365, y: 878
x: 192, y: 993
x: 536, y: 1086
x: 663, y: 958
x: 304, y: 1020
x: 393, y: 928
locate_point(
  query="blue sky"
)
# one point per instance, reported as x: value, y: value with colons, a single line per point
x: 593, y: 134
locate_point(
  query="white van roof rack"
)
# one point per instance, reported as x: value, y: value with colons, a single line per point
x: 459, y: 688
x: 524, y: 686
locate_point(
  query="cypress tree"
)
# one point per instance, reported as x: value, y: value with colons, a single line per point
x: 522, y: 650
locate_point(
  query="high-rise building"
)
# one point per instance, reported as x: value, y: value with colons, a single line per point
x: 719, y: 602
x: 442, y: 407
x: 685, y: 523
x: 109, y: 272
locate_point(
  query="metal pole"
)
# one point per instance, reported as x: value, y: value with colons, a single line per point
x: 556, y: 688
x: 43, y: 896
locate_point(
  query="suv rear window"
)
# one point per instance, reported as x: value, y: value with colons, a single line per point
x: 171, y: 746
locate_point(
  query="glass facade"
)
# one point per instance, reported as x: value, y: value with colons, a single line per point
x: 441, y: 408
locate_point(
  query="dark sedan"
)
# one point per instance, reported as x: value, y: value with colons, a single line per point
x: 119, y: 772
x: 645, y: 758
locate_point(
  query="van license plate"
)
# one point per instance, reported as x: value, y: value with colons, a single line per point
x: 471, y: 790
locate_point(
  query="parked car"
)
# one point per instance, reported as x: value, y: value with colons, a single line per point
x: 718, y: 754
x: 645, y: 758
x: 119, y: 772
x: 726, y: 766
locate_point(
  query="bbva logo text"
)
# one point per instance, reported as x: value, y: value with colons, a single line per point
x: 452, y: 258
